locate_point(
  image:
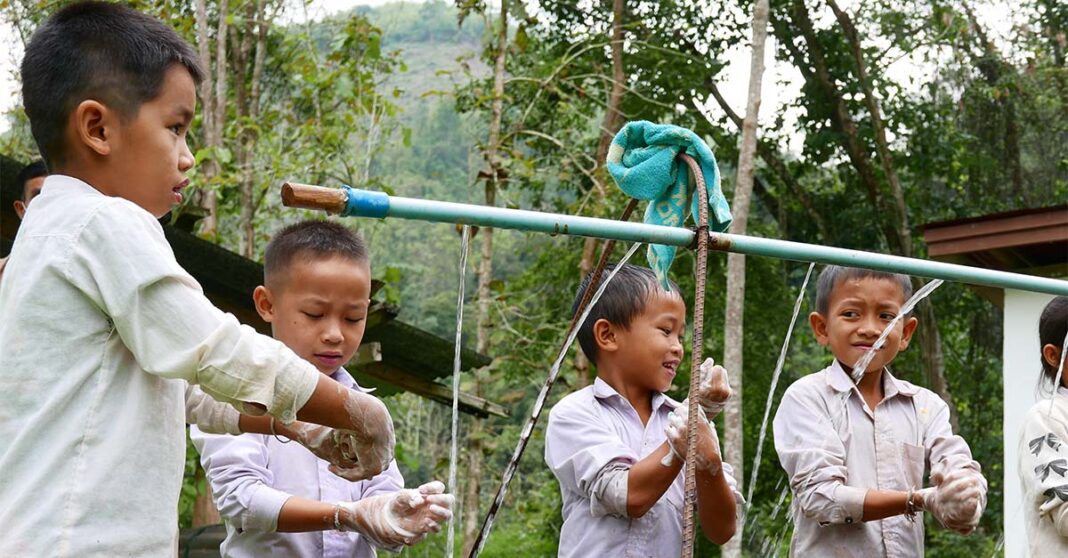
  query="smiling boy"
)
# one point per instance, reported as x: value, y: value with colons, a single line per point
x: 612, y: 446
x: 855, y: 454
x: 99, y: 318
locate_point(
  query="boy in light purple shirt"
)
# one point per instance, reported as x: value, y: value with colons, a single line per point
x: 277, y: 497
x: 612, y: 446
x: 855, y: 452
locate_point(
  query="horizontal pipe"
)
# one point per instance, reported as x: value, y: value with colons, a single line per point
x: 365, y: 203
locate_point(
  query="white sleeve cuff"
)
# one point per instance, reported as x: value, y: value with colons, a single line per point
x: 263, y: 509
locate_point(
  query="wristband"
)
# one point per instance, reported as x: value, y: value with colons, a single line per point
x: 281, y: 441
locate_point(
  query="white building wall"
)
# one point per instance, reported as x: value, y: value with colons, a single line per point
x: 1020, y: 372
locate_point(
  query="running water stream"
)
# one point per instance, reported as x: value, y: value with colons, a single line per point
x: 458, y: 347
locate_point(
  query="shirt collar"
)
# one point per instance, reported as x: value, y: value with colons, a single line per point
x: 58, y: 182
x: 601, y: 390
x: 344, y: 378
x: 840, y: 380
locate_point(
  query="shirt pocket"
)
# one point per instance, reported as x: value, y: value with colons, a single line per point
x: 913, y: 458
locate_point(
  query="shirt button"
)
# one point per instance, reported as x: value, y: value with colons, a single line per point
x: 849, y: 520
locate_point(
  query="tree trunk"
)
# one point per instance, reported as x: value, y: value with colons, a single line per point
x: 485, y: 277
x: 613, y: 120
x: 929, y: 337
x: 733, y: 328
x: 256, y: 25
x: 207, y: 200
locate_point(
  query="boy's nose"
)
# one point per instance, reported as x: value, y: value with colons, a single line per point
x: 185, y: 158
x: 332, y: 334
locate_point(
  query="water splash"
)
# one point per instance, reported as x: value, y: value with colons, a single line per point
x: 862, y: 364
x: 539, y: 403
x: 453, y: 450
x: 771, y: 391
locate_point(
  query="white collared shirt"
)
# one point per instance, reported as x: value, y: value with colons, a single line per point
x: 1043, y: 458
x: 252, y: 476
x: 99, y: 323
x: 589, y: 431
x: 834, y: 449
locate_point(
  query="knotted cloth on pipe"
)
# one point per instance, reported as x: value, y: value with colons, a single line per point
x: 643, y: 161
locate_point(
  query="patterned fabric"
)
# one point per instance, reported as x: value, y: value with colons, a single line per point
x: 643, y: 161
x: 1044, y: 475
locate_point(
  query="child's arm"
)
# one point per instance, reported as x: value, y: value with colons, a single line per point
x: 958, y: 495
x: 1044, y: 465
x: 588, y: 457
x: 813, y: 457
x: 716, y: 490
x: 242, y: 487
x: 123, y: 263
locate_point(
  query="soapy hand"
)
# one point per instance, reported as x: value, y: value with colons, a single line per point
x: 957, y: 501
x: 708, y: 452
x: 352, y: 455
x: 713, y: 389
x: 402, y: 518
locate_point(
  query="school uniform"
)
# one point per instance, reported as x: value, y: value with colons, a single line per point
x: 596, y: 430
x: 835, y: 448
x: 99, y: 325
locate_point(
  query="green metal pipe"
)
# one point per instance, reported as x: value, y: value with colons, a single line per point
x: 364, y: 203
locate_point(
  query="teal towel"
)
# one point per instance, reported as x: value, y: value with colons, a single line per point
x: 642, y: 160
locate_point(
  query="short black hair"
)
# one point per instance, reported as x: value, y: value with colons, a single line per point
x: 312, y: 240
x: 29, y: 172
x: 623, y: 299
x: 1052, y: 329
x: 96, y: 50
x: 833, y: 275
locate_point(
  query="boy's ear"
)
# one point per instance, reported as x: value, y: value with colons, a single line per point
x: 604, y: 334
x: 94, y: 126
x: 20, y: 208
x: 819, y: 327
x: 264, y: 303
x: 1051, y: 354
x: 906, y: 335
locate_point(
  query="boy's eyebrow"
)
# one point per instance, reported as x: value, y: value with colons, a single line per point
x: 185, y: 113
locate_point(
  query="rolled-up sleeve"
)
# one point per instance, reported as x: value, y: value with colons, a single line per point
x: 126, y: 266
x: 209, y: 415
x: 814, y: 459
x: 580, y: 449
x: 945, y: 451
x: 241, y: 483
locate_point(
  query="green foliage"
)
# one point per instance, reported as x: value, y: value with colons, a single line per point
x: 398, y: 98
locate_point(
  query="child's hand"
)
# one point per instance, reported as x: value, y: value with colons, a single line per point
x: 402, y: 518
x: 352, y: 455
x: 713, y: 389
x: 958, y: 501
x: 708, y: 453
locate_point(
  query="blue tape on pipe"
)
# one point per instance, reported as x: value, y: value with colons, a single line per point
x: 364, y: 203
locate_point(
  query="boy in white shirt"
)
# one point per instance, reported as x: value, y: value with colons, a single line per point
x: 276, y: 497
x: 100, y: 320
x: 855, y: 453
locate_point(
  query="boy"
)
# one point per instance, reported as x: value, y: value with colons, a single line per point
x: 855, y: 454
x: 276, y: 497
x: 99, y: 319
x: 30, y: 177
x: 608, y: 444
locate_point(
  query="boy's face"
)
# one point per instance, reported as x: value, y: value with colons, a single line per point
x: 857, y: 313
x: 318, y: 308
x: 148, y: 155
x: 650, y: 350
